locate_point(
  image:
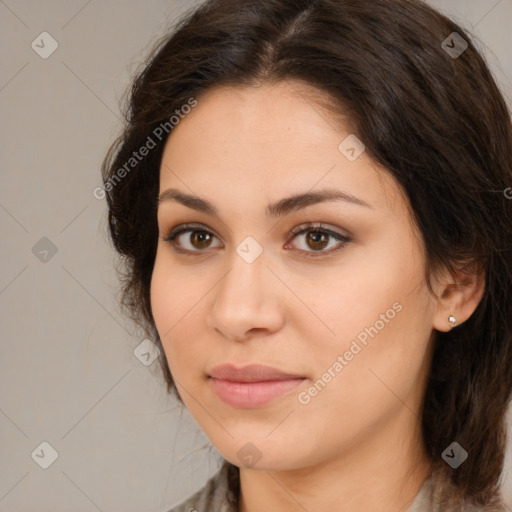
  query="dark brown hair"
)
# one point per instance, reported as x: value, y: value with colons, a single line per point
x: 436, y: 121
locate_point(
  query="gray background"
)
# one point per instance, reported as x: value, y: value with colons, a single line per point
x: 68, y: 372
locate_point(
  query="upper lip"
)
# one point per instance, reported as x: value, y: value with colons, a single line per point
x: 250, y: 373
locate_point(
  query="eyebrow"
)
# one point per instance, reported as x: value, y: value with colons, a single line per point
x: 277, y: 209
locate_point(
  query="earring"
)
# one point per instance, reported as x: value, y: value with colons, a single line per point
x: 452, y: 320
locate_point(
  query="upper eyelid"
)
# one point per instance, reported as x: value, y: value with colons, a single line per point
x: 182, y: 228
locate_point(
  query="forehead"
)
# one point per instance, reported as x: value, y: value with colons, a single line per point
x: 268, y: 142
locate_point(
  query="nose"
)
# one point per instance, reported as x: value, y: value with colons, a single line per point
x: 248, y: 300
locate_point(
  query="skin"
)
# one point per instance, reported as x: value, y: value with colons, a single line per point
x: 356, y: 445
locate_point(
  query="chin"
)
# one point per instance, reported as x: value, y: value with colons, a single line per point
x: 266, y: 455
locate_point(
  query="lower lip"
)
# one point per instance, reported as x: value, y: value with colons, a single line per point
x: 249, y: 395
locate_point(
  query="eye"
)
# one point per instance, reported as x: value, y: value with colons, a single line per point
x: 199, y: 238
x: 317, y: 239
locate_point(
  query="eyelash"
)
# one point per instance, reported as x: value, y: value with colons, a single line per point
x: 299, y: 230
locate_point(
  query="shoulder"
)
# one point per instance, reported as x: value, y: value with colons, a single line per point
x: 219, y: 494
x: 437, y: 495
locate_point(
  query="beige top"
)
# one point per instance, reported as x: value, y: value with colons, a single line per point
x: 220, y: 494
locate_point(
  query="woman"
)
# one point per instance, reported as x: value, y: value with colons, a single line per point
x: 311, y: 199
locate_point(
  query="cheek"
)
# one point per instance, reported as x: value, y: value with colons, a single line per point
x: 358, y: 385
x: 177, y: 306
x: 349, y: 299
x: 378, y: 316
x: 171, y: 292
x: 160, y: 296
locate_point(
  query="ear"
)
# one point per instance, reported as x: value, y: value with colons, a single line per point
x: 458, y: 295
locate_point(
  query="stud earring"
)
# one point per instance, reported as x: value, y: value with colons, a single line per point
x: 452, y: 320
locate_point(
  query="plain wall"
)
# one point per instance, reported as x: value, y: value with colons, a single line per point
x: 68, y: 372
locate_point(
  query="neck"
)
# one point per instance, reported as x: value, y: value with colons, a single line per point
x: 382, y: 471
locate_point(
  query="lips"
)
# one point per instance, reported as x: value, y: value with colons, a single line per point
x: 251, y: 373
x: 251, y: 386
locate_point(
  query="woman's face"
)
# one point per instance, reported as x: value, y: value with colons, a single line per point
x: 348, y: 322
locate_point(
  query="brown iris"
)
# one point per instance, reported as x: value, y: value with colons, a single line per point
x: 318, y: 239
x: 200, y: 239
